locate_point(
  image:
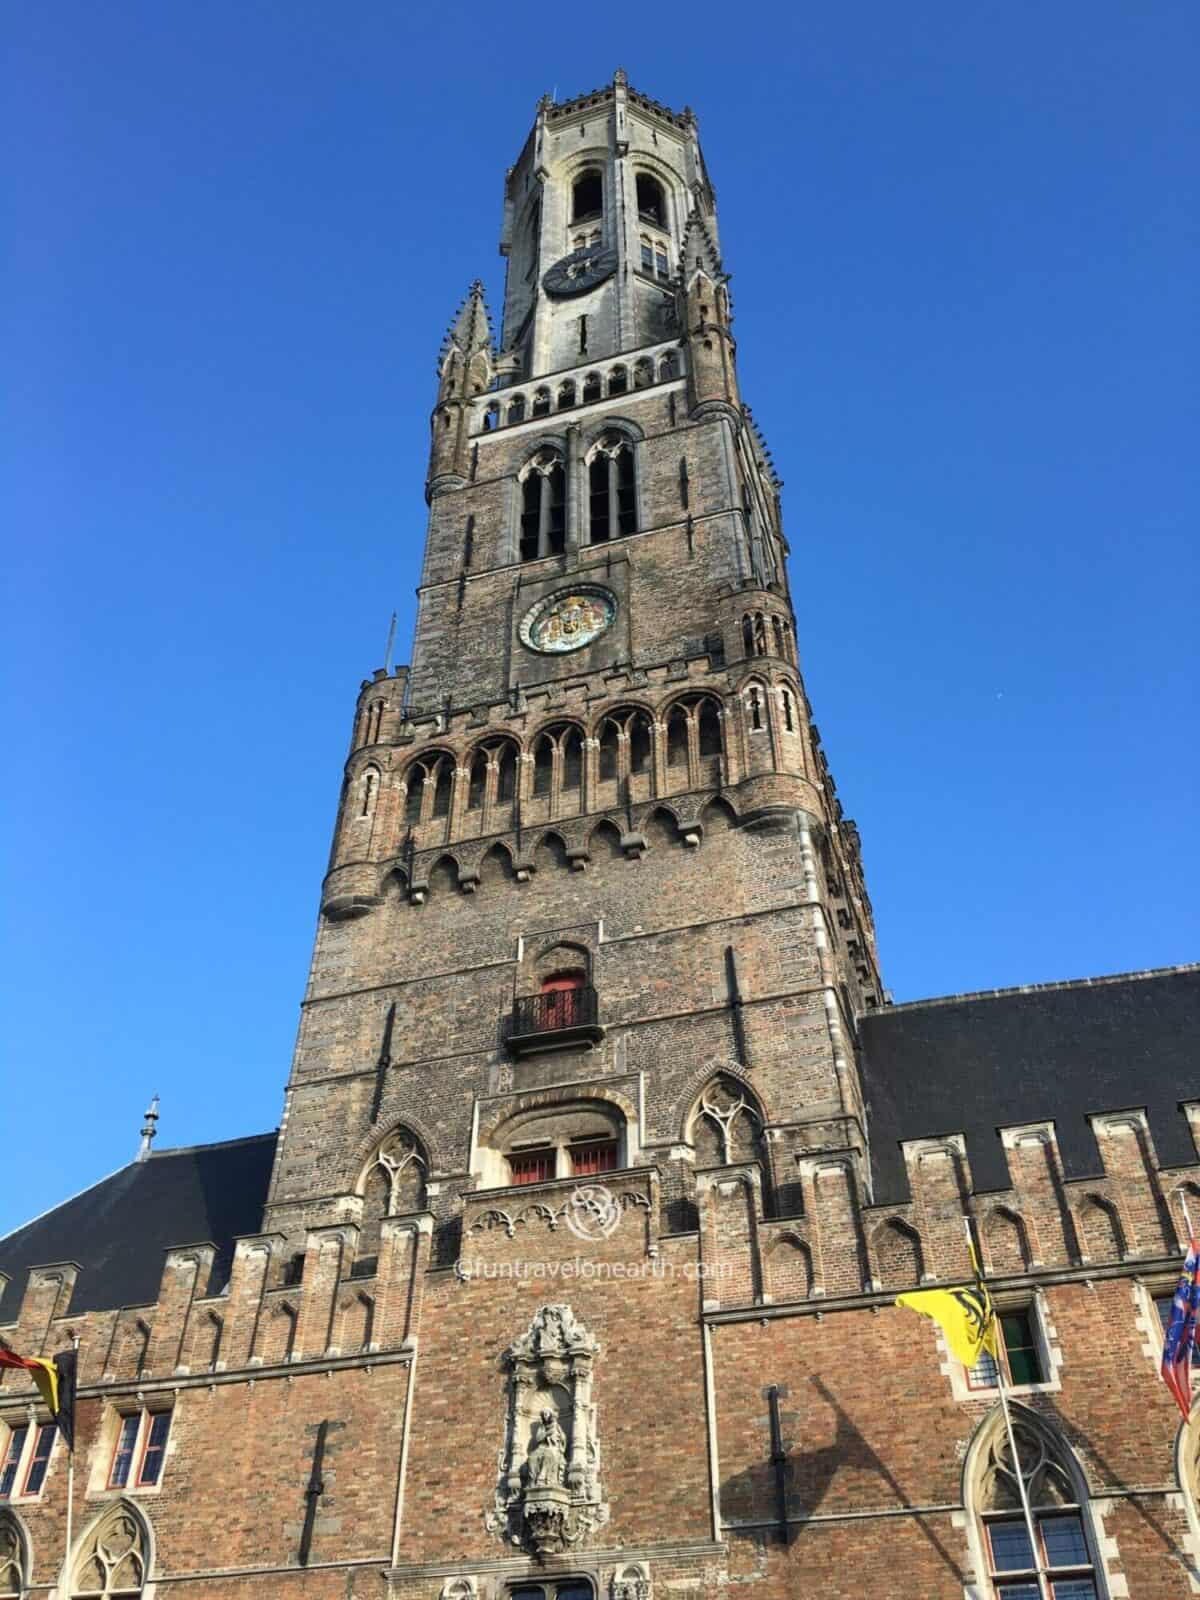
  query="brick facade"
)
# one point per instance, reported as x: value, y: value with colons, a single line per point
x: 649, y: 816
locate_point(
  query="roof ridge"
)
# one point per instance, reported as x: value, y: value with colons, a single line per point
x: 216, y: 1144
x: 1040, y: 988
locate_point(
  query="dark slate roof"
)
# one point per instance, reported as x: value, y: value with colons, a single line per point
x: 977, y: 1062
x: 119, y: 1229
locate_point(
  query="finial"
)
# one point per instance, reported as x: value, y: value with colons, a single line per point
x: 149, y: 1129
x: 621, y: 77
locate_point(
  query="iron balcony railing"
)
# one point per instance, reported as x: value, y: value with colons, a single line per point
x: 558, y: 1011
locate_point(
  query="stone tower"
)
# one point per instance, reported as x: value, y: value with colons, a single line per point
x: 568, y: 1274
x: 588, y: 839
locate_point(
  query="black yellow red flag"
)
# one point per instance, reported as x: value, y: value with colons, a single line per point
x: 55, y: 1380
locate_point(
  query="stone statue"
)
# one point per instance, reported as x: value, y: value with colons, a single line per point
x: 548, y: 1453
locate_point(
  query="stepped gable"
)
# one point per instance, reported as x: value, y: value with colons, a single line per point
x: 118, y: 1229
x: 1055, y: 1052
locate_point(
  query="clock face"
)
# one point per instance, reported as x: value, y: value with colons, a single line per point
x: 568, y: 620
x: 580, y: 271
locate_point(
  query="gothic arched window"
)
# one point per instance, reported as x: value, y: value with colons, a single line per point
x: 727, y: 1124
x: 587, y: 196
x: 694, y: 741
x: 113, y: 1559
x: 558, y: 761
x: 12, y: 1558
x: 650, y: 201
x: 543, y: 506
x: 625, y: 744
x: 495, y: 761
x: 1057, y: 1495
x: 428, y: 783
x: 392, y: 1184
x: 612, y: 495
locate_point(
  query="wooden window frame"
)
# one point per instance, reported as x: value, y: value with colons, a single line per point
x: 135, y: 1477
x: 606, y: 1147
x: 1029, y: 1309
x: 24, y: 1429
x: 1000, y: 1580
x: 38, y: 1432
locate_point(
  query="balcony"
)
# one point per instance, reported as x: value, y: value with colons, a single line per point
x: 554, y: 1021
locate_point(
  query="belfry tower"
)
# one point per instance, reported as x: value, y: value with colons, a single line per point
x: 589, y: 837
x: 573, y: 1276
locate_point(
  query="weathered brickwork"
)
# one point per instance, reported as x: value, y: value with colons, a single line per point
x: 575, y: 1262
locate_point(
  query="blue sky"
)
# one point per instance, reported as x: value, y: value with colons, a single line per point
x: 964, y: 243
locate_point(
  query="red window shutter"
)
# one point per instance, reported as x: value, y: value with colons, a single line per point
x: 590, y: 1159
x: 535, y: 1167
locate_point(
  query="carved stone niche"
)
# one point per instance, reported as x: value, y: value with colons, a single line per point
x: 548, y: 1496
x: 631, y: 1582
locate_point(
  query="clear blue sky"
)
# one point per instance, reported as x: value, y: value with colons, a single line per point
x: 965, y: 250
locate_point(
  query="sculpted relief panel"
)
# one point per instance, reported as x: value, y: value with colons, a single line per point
x: 548, y: 1495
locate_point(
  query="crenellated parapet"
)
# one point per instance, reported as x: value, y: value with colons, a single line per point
x: 1129, y: 1217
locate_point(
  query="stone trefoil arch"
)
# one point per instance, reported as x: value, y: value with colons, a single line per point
x: 548, y: 1495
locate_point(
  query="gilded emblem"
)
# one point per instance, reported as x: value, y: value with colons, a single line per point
x: 569, y: 620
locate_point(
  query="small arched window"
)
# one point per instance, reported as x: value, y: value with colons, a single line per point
x: 572, y: 759
x: 587, y: 196
x: 625, y: 744
x: 650, y: 201
x: 789, y: 715
x: 516, y: 409
x: 543, y: 507
x: 727, y: 1124
x: 643, y: 373
x: 566, y: 395
x: 618, y: 380
x: 610, y: 738
x: 494, y: 763
x: 477, y: 785
x: 543, y: 765
x: 392, y: 1184
x: 747, y: 635
x: 709, y: 728
x: 431, y: 775
x: 541, y: 403
x: 370, y: 782
x: 668, y: 366
x: 755, y: 701
x: 677, y: 737
x: 777, y: 630
x: 491, y: 418
x: 612, y: 498
x: 592, y: 388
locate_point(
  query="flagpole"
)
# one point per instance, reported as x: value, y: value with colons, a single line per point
x: 1031, y: 1531
x: 70, y: 1497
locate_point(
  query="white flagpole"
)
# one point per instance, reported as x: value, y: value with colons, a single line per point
x: 1030, y: 1530
x: 66, y: 1590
